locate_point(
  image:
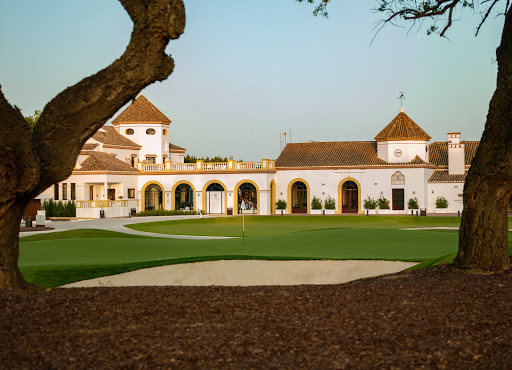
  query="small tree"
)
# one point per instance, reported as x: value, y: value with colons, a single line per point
x: 316, y: 203
x: 441, y: 202
x: 413, y: 203
x: 330, y: 203
x: 383, y: 202
x: 281, y: 204
x: 370, y: 203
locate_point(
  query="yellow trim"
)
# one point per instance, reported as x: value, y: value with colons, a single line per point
x: 225, y: 195
x: 173, y: 195
x: 273, y: 196
x: 289, y: 200
x: 235, y: 195
x: 143, y: 191
x: 340, y: 195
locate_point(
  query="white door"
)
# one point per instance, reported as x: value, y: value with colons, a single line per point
x: 215, y: 202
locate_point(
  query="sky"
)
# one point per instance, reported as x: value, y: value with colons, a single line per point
x: 246, y: 70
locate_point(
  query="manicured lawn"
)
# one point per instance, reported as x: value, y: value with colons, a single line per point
x: 268, y: 225
x: 55, y: 259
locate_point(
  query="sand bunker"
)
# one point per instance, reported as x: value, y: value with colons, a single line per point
x: 250, y: 273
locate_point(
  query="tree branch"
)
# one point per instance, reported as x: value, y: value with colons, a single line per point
x: 76, y: 113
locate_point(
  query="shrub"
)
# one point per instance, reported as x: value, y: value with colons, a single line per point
x: 316, y: 203
x: 163, y: 212
x: 281, y: 204
x: 441, y: 202
x: 370, y: 203
x: 383, y: 202
x: 330, y: 203
x: 59, y: 208
x: 413, y: 203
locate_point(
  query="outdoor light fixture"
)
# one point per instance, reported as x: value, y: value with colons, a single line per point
x: 414, y: 192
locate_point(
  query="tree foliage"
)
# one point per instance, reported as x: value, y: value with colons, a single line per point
x: 32, y: 120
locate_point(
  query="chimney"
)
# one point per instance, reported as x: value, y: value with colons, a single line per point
x: 456, y: 164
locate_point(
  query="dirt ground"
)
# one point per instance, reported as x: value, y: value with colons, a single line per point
x: 434, y: 318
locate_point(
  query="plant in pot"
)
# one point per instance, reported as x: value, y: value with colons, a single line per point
x: 413, y: 203
x: 281, y: 206
x: 370, y: 204
x: 383, y: 205
x: 330, y: 205
x: 316, y: 205
x: 441, y: 205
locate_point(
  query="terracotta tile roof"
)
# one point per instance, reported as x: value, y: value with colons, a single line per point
x: 336, y: 154
x: 90, y: 146
x: 176, y: 148
x: 100, y: 161
x: 443, y: 176
x: 438, y: 152
x: 402, y: 128
x: 108, y: 135
x: 141, y: 110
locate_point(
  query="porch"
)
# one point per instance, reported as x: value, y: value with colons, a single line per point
x: 231, y: 165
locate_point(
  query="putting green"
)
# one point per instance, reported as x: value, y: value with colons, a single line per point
x: 271, y: 225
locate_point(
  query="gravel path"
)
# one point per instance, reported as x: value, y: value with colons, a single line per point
x: 432, y: 318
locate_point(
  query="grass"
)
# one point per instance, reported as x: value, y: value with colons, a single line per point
x: 272, y: 225
x: 54, y: 259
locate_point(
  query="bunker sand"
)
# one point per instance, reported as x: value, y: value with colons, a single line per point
x: 249, y: 273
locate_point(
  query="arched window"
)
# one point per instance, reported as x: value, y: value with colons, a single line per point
x: 398, y: 178
x: 184, y: 197
x: 247, y: 192
x: 150, y: 131
x: 165, y: 132
x: 153, y: 197
x: 299, y: 197
x: 129, y: 131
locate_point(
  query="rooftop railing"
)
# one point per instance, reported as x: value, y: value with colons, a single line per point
x: 264, y: 165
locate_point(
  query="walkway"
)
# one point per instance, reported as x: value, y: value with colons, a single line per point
x: 118, y: 225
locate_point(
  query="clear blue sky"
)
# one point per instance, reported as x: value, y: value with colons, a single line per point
x: 247, y: 69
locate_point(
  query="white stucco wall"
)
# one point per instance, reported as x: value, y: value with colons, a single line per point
x: 408, y: 148
x: 452, y: 191
x: 157, y: 144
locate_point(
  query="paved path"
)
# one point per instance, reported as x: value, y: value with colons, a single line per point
x: 118, y: 224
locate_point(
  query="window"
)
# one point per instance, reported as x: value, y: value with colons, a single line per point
x: 398, y: 199
x: 150, y: 160
x: 150, y: 131
x: 130, y: 131
x: 133, y: 160
x: 73, y: 191
x: 111, y: 194
x: 398, y: 178
x: 131, y: 193
x: 64, y: 191
x: 165, y: 132
x: 56, y: 192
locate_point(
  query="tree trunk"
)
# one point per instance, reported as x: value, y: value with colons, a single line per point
x: 33, y: 161
x: 483, y: 235
x: 10, y: 276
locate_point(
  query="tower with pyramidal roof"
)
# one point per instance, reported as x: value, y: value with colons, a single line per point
x: 143, y: 123
x: 402, y: 140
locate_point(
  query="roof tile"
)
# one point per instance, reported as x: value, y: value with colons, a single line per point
x: 141, y: 110
x: 402, y: 127
x: 100, y: 161
x: 438, y: 152
x: 108, y: 135
x: 443, y: 176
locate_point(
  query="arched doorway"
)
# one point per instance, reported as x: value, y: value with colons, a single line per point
x: 215, y: 199
x: 299, y: 197
x: 153, y: 197
x: 184, y: 197
x: 350, y: 197
x: 249, y: 194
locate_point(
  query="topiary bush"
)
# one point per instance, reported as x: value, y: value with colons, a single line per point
x: 59, y: 208
x: 330, y: 203
x: 281, y: 204
x: 316, y: 203
x: 370, y: 203
x: 413, y: 203
x: 441, y: 202
x: 383, y: 202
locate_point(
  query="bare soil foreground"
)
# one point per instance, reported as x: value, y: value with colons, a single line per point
x: 431, y: 318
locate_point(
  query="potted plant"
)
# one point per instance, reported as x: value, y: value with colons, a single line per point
x: 383, y: 205
x: 281, y: 207
x: 316, y: 206
x: 330, y: 205
x: 370, y: 204
x: 441, y: 205
x: 413, y: 203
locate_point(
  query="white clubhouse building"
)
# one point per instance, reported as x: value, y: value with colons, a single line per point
x: 132, y: 166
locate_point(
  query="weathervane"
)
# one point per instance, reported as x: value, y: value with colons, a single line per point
x: 402, y: 98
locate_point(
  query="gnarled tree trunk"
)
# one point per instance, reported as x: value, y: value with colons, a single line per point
x: 31, y: 162
x: 483, y: 235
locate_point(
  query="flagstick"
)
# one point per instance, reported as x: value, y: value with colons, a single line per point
x: 243, y: 228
